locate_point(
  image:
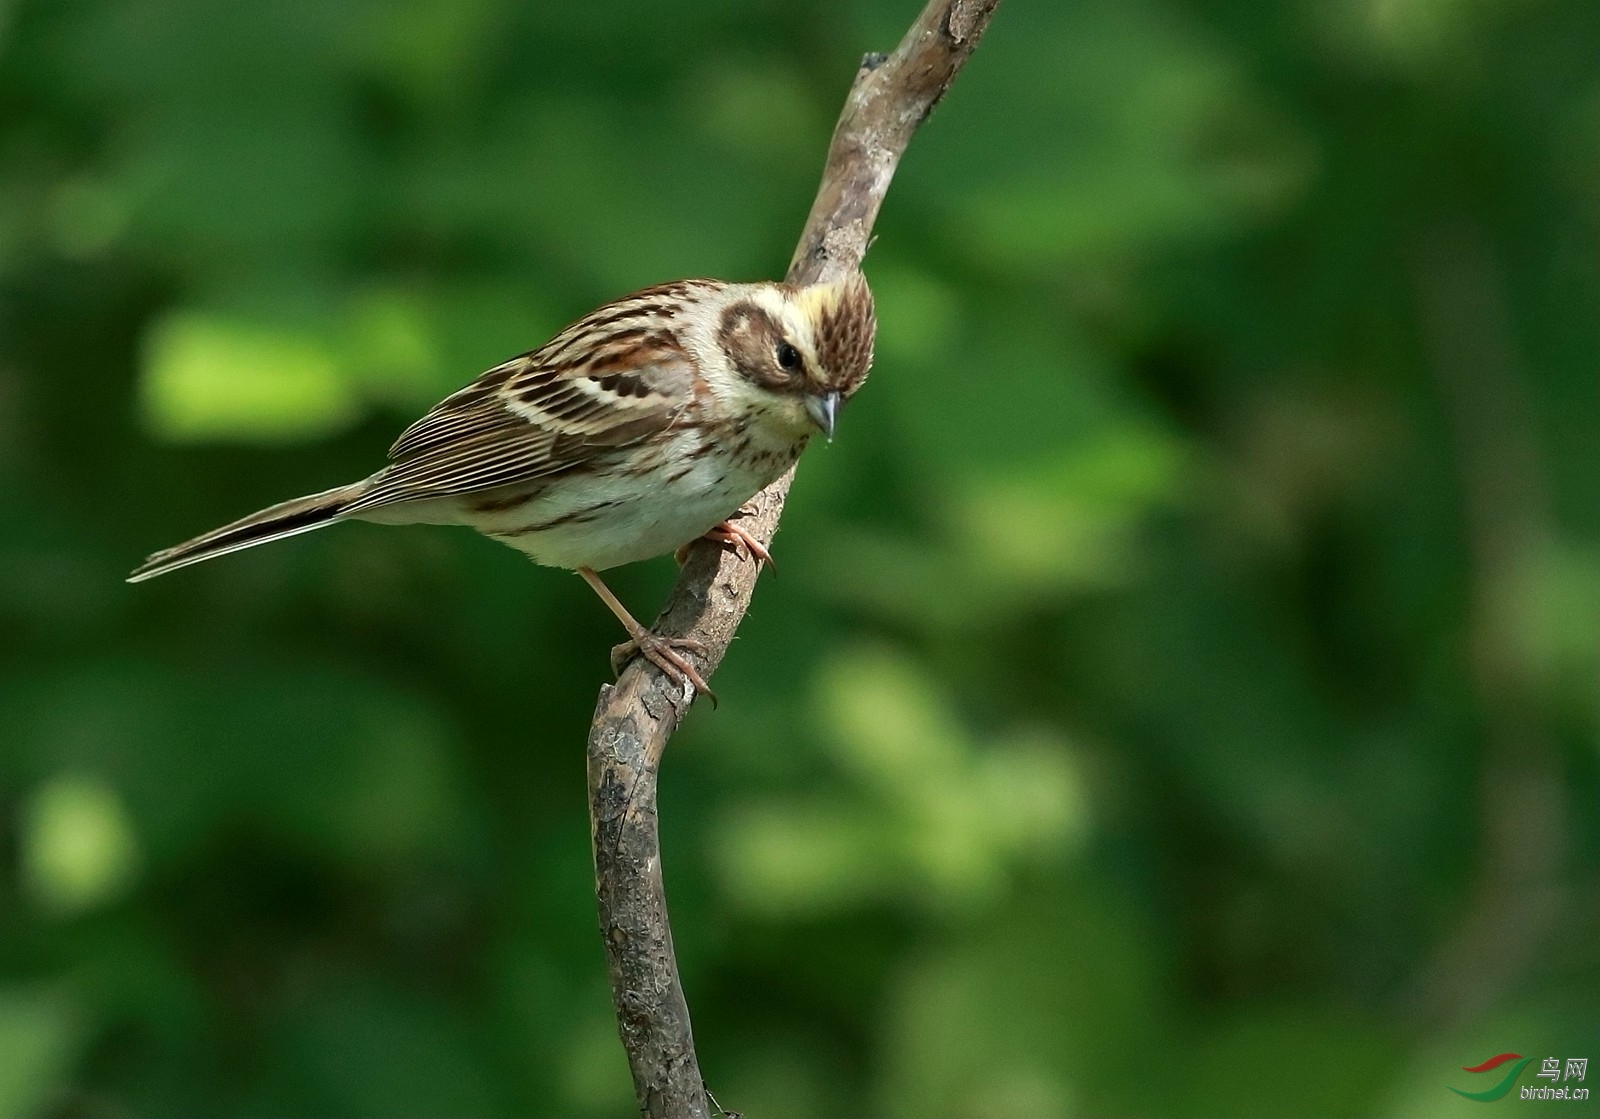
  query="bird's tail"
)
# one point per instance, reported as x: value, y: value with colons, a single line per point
x: 287, y: 518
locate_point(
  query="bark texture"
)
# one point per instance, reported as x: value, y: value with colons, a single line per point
x: 891, y: 96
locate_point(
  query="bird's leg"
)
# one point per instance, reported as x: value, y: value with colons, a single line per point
x: 730, y: 533
x: 659, y: 651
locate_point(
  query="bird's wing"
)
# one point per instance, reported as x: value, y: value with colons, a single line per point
x: 598, y: 386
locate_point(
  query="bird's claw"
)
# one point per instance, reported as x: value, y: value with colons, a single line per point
x: 743, y: 544
x: 663, y: 653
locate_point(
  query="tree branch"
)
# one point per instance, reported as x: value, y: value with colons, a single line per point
x: 891, y: 96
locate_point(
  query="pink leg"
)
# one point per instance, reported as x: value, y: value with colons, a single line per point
x: 659, y: 651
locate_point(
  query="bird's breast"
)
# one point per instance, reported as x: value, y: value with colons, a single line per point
x: 634, y: 505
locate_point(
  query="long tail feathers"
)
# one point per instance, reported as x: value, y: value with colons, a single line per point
x: 288, y: 518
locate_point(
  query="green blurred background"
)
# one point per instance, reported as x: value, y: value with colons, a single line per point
x: 1178, y: 698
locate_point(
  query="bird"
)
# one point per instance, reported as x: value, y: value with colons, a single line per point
x: 641, y: 427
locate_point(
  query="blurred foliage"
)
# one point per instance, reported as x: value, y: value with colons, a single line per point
x: 1178, y: 699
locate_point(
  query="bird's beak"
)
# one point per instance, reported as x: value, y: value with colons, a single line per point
x: 822, y: 410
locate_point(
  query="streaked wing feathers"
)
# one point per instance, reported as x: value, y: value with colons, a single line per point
x: 608, y: 381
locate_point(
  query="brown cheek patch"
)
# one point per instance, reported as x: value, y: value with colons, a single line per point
x: 750, y: 339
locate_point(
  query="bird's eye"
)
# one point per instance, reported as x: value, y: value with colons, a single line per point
x: 788, y: 357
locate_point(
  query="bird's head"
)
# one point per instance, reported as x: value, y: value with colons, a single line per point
x: 796, y: 354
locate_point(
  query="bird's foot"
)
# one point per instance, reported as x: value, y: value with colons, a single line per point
x: 731, y: 535
x: 663, y: 653
x: 743, y: 544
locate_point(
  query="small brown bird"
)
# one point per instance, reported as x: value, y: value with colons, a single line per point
x: 639, y: 428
